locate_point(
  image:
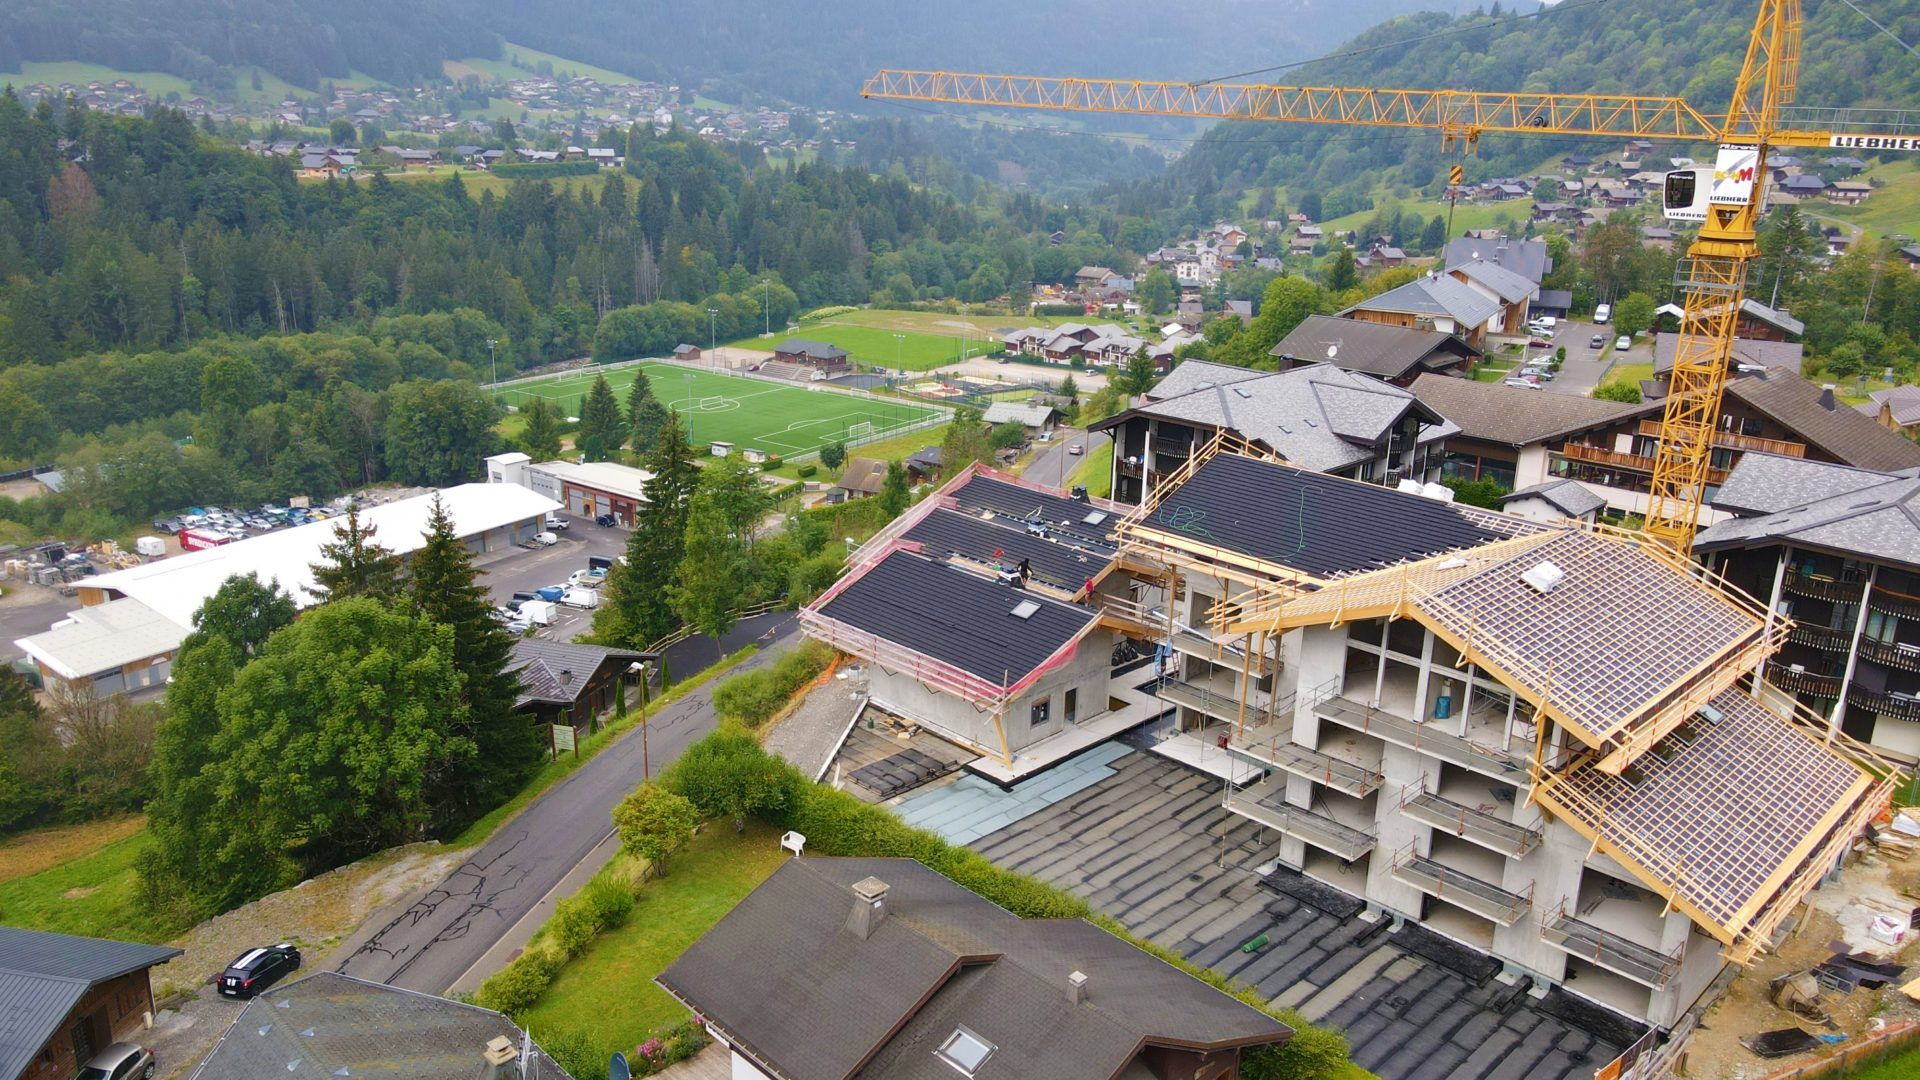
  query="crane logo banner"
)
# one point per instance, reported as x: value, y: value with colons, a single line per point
x: 1874, y: 142
x: 1733, y: 175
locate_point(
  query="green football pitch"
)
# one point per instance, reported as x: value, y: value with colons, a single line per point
x: 749, y: 413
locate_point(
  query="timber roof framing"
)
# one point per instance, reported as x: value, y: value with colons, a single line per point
x: 1734, y: 821
x: 1620, y: 653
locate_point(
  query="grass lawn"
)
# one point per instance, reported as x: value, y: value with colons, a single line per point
x: 55, y: 72
x: 95, y: 894
x: 40, y: 849
x: 750, y: 413
x: 1898, y: 1067
x: 1892, y: 208
x: 947, y: 324
x: 1631, y: 374
x: 1096, y: 472
x: 915, y: 351
x: 1493, y: 372
x: 610, y: 985
x: 521, y: 62
x: 1468, y: 215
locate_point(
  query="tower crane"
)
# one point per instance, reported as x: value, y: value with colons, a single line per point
x: 1725, y: 200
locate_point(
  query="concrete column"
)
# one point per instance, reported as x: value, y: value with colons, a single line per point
x: 1420, y: 680
x: 1853, y: 653
x: 1773, y: 602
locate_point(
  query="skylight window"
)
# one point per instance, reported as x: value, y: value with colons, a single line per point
x: 1024, y: 609
x: 1094, y: 518
x: 965, y: 1051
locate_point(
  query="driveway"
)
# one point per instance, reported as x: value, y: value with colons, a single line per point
x: 26, y: 610
x: 1055, y: 461
x: 435, y: 939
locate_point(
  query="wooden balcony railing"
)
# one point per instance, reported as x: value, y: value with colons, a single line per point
x: 1824, y: 586
x: 1733, y: 440
x: 1803, y: 682
x: 1825, y: 638
x: 1901, y: 655
x: 1614, y: 459
x: 1898, y: 706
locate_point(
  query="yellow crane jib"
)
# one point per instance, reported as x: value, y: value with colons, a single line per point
x: 1725, y: 199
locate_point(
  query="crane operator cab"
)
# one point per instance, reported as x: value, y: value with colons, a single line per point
x: 1688, y: 192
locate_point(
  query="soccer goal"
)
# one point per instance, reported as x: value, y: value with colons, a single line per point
x: 860, y: 430
x: 718, y: 401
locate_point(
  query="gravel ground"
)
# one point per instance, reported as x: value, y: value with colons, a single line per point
x: 808, y: 735
x: 314, y: 914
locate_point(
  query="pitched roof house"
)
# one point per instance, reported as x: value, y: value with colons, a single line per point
x: 882, y: 968
x: 1396, y: 354
x: 65, y: 998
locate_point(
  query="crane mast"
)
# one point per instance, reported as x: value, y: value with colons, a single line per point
x: 1728, y: 204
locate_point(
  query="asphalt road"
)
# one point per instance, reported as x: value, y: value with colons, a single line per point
x: 1054, y: 463
x: 437, y: 938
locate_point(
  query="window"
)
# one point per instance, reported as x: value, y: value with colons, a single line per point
x: 965, y: 1051
x: 1882, y: 627
x: 1040, y: 713
x: 1072, y: 705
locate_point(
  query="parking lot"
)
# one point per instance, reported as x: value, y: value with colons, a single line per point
x: 1586, y: 366
x: 1152, y: 846
x: 521, y: 570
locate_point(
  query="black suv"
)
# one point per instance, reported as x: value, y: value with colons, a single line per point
x: 257, y: 969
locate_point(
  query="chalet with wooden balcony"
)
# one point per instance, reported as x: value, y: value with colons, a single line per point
x: 1835, y: 551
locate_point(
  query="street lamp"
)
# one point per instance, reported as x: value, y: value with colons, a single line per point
x: 713, y: 320
x: 643, y: 670
x: 490, y: 362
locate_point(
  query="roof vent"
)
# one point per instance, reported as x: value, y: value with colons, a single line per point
x: 566, y: 676
x: 1544, y: 578
x: 1077, y: 988
x: 1243, y: 393
x: 1827, y: 401
x: 1024, y: 609
x: 869, y: 907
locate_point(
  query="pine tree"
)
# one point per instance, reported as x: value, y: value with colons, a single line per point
x: 602, y: 426
x: 446, y: 590
x: 355, y: 565
x: 637, y: 609
x: 645, y: 415
x: 894, y: 497
x: 541, y: 437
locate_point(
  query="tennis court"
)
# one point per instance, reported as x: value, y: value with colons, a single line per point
x: 749, y: 413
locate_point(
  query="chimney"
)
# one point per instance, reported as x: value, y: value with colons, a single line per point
x: 566, y: 676
x: 1077, y: 988
x: 1826, y: 398
x: 500, y: 1061
x: 869, y: 907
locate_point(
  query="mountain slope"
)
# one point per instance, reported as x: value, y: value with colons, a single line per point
x: 1621, y: 46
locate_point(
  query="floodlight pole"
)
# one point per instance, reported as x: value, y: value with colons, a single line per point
x: 693, y: 406
x: 713, y: 321
x: 491, y: 363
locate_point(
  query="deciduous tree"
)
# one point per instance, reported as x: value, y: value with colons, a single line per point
x: 653, y: 823
x: 894, y: 496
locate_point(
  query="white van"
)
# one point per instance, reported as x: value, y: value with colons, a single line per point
x: 1603, y: 314
x: 1544, y: 322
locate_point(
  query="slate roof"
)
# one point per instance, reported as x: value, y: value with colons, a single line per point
x: 1316, y: 416
x: 988, y: 495
x: 1199, y: 375
x: 1515, y: 417
x: 1903, y: 400
x: 1389, y: 352
x: 1321, y: 525
x: 1881, y: 522
x: 43, y: 976
x: 783, y: 976
x: 539, y: 664
x: 971, y: 627
x: 328, y: 1025
x: 1441, y: 296
x: 1570, y: 497
x: 1784, y: 355
x: 1508, y: 285
x: 1841, y: 432
x: 1763, y: 483
x: 1528, y: 258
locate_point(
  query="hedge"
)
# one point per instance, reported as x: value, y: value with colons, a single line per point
x: 752, y: 697
x: 807, y: 470
x: 827, y: 312
x: 604, y: 904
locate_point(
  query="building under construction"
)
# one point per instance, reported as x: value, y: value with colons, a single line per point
x: 1545, y: 741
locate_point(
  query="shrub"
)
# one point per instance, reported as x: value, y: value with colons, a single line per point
x: 752, y: 697
x: 728, y: 775
x: 612, y: 901
x: 518, y: 985
x: 573, y: 926
x: 578, y: 1052
x: 669, y: 1046
x: 827, y: 313
x: 545, y: 170
x: 807, y: 470
x: 654, y: 822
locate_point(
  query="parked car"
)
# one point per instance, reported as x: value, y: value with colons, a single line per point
x: 519, y: 598
x: 586, y: 579
x: 1599, y: 341
x: 1521, y: 384
x: 557, y: 521
x: 604, y: 521
x: 549, y: 593
x: 121, y: 1061
x: 1603, y: 314
x: 1623, y: 342
x: 545, y: 539
x: 1076, y: 449
x: 256, y: 969
x: 168, y: 526
x: 1539, y: 342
